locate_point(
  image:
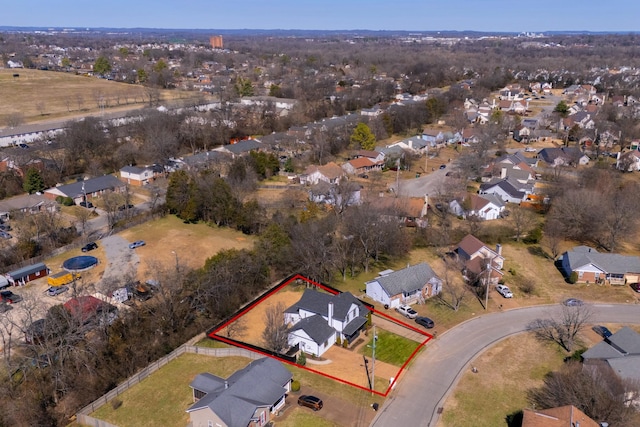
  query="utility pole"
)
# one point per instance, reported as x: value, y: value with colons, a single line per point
x: 373, y: 358
x: 486, y: 295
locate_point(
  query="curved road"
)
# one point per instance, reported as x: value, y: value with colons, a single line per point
x: 433, y: 375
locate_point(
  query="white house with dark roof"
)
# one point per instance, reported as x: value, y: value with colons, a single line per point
x: 406, y: 286
x: 487, y: 207
x: 505, y: 189
x: 136, y: 175
x: 249, y: 397
x: 593, y: 266
x: 318, y: 319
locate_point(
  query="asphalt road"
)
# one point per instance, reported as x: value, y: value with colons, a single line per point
x: 434, y: 374
x: 425, y: 185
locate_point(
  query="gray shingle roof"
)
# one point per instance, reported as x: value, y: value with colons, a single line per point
x: 134, y: 169
x: 93, y: 185
x: 316, y: 327
x: 258, y: 384
x: 243, y: 146
x: 406, y: 280
x: 505, y: 185
x: 318, y: 302
x: 25, y: 271
x: 609, y: 263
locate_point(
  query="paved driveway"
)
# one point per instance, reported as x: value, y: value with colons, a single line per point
x: 433, y: 375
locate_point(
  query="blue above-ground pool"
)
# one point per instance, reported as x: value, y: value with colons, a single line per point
x: 80, y: 263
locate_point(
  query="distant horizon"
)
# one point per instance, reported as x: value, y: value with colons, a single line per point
x: 302, y: 30
x: 487, y: 16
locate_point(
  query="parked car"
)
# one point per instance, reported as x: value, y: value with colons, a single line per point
x: 312, y: 402
x: 442, y: 166
x: 5, y: 235
x: 89, y: 247
x: 573, y: 302
x: 23, y: 145
x: 425, y: 321
x: 635, y: 287
x: 123, y: 207
x: 10, y: 297
x: 407, y: 311
x: 530, y: 150
x: 87, y: 205
x: 57, y: 290
x: 504, y: 291
x: 5, y: 227
x: 136, y: 244
x: 603, y: 331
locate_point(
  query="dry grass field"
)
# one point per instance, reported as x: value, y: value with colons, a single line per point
x: 45, y: 95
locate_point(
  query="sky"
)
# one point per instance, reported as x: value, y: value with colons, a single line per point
x: 410, y: 15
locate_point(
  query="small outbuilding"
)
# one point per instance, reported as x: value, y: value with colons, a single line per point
x: 26, y: 274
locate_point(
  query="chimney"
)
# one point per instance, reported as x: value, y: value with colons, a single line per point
x: 330, y: 314
x: 226, y: 384
x: 499, y: 249
x: 503, y: 173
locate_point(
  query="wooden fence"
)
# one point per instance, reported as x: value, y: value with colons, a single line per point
x: 83, y: 417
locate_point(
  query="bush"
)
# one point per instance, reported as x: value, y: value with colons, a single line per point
x: 527, y: 286
x: 533, y: 237
x: 67, y: 201
x: 573, y: 278
x: 295, y: 385
x: 302, y: 359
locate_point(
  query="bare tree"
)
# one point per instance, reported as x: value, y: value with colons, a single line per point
x: 522, y: 220
x: 275, y: 334
x: 15, y: 119
x: 553, y: 236
x: 594, y: 389
x: 454, y: 291
x: 237, y: 328
x: 564, y: 328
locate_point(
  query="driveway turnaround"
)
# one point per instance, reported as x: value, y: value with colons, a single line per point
x: 433, y: 375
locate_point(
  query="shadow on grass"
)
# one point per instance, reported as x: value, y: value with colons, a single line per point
x: 514, y: 419
x: 538, y: 251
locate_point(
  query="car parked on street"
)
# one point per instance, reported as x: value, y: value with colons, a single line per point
x: 407, y: 311
x: 89, y: 247
x: 573, y: 302
x: 312, y: 402
x: 635, y: 287
x: 504, y: 291
x: 57, y: 290
x: 425, y: 321
x: 10, y: 297
x: 136, y: 244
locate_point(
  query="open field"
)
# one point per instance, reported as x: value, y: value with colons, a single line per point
x: 169, y: 242
x: 46, y: 95
x: 499, y: 388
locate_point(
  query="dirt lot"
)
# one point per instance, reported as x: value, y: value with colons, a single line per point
x: 346, y: 364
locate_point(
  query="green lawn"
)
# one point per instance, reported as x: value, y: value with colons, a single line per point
x: 299, y: 417
x: 390, y: 348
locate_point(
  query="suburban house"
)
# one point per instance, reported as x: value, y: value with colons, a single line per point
x: 407, y: 286
x: 319, y: 319
x: 592, y: 266
x: 508, y: 190
x: 563, y: 156
x: 414, y: 144
x: 241, y: 147
x: 26, y: 203
x: 345, y: 194
x: 620, y: 352
x: 477, y: 257
x: 26, y: 274
x: 250, y: 397
x: 629, y: 161
x: 563, y: 416
x: 135, y: 175
x: 361, y: 166
x: 330, y: 173
x: 86, y: 309
x: 487, y: 207
x: 88, y: 188
x: 374, y: 156
x: 408, y: 211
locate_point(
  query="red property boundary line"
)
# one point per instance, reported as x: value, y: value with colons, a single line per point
x: 213, y: 334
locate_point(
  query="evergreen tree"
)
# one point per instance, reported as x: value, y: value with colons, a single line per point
x: 33, y: 182
x: 363, y: 137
